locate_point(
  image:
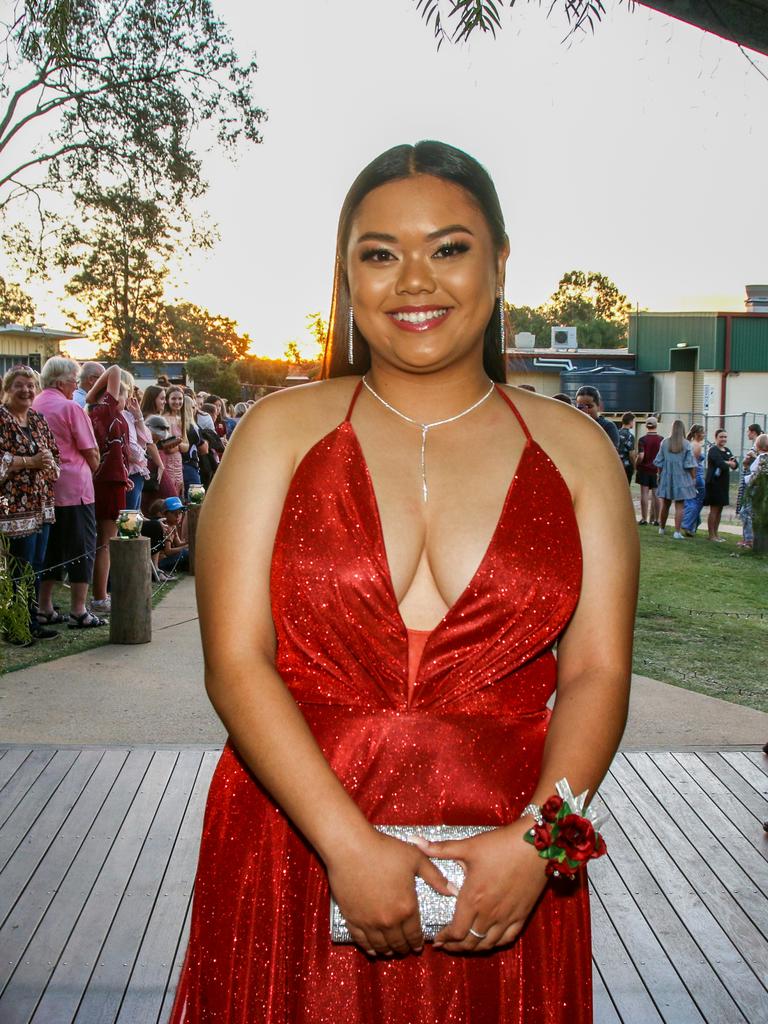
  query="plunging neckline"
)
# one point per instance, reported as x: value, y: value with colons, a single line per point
x: 384, y: 558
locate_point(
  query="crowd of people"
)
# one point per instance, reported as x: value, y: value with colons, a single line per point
x: 78, y: 444
x: 682, y: 471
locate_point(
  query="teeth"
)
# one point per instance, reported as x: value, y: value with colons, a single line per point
x: 420, y: 318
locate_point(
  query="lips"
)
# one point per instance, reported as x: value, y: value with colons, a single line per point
x: 419, y: 318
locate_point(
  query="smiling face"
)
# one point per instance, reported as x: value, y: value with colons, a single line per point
x: 423, y: 273
x: 175, y: 402
x: 160, y: 402
x: 20, y: 393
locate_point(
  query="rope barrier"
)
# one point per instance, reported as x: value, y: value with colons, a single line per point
x: 71, y: 561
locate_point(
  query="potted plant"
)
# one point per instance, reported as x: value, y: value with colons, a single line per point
x: 757, y: 496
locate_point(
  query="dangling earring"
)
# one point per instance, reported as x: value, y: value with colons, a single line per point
x: 351, y: 337
x: 502, y: 325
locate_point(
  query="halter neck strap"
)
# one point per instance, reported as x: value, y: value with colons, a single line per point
x: 355, y: 396
x: 514, y: 409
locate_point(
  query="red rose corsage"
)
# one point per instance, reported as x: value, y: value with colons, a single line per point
x: 563, y: 835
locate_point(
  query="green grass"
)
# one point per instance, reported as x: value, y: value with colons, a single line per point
x: 699, y: 623
x: 69, y: 641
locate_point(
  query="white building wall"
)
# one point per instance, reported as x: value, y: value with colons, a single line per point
x: 746, y: 392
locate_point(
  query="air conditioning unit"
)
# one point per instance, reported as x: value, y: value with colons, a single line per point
x: 564, y: 338
x: 525, y: 340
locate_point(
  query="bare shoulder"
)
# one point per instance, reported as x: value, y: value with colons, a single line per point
x: 577, y: 445
x: 294, y: 419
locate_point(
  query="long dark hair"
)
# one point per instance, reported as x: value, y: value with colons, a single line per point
x: 439, y: 160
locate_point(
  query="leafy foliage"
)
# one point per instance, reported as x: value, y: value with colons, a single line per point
x: 191, y: 330
x: 121, y: 86
x: 584, y: 299
x: 17, y: 585
x: 757, y: 495
x: 212, y: 375
x: 257, y: 370
x: 16, y: 307
x: 121, y: 251
x: 464, y: 17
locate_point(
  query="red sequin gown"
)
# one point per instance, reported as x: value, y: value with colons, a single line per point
x: 461, y: 745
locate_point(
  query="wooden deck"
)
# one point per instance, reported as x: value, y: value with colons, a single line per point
x: 98, y: 850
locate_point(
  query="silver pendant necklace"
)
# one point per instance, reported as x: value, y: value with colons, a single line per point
x: 425, y: 427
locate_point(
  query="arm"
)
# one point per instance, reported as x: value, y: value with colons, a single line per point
x: 91, y: 456
x: 370, y: 875
x: 505, y: 875
x: 109, y: 381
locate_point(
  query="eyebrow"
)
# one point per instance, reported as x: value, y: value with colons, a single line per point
x: 379, y: 236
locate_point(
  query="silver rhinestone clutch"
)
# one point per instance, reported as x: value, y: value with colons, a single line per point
x: 435, y: 909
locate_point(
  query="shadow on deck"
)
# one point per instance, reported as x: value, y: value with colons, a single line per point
x: 98, y: 849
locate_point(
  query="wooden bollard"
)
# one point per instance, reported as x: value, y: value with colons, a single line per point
x: 130, y: 621
x: 193, y: 514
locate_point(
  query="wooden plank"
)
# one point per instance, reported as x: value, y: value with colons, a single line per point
x: 739, y: 867
x: 628, y: 992
x: 22, y: 863
x: 759, y: 759
x: 24, y: 896
x: 178, y: 964
x: 11, y: 762
x: 660, y: 978
x: 748, y: 770
x: 59, y: 960
x: 17, y: 787
x: 110, y: 978
x: 154, y: 965
x: 737, y: 784
x: 716, y: 803
x: 28, y: 809
x: 705, y: 988
x: 603, y: 1010
x: 669, y: 858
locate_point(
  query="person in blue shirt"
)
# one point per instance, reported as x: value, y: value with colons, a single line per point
x: 89, y: 374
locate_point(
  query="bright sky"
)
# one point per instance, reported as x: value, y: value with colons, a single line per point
x: 637, y: 152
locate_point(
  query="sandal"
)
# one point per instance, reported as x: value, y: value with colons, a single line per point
x: 54, y: 618
x: 85, y: 621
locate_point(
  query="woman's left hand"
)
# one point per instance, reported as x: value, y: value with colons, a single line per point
x: 503, y: 878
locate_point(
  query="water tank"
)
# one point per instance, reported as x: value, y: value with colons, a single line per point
x: 621, y: 390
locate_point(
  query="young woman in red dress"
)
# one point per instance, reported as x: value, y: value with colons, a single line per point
x: 412, y: 543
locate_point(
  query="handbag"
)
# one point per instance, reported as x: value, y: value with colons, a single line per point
x: 435, y: 910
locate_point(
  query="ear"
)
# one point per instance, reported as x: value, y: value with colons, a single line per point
x: 501, y: 263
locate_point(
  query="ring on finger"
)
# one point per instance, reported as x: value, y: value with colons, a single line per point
x: 478, y: 935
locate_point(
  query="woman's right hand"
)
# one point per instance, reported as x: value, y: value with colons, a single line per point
x: 375, y: 888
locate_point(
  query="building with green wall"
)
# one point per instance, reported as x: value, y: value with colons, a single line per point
x: 704, y: 364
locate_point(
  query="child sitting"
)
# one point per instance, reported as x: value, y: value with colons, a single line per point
x: 168, y: 552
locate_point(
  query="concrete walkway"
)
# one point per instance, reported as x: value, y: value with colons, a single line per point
x: 153, y: 694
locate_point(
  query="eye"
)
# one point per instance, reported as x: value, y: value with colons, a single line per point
x: 449, y: 249
x: 376, y: 256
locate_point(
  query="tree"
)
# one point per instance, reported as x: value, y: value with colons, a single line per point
x: 120, y: 87
x: 293, y: 354
x: 587, y: 300
x: 318, y: 328
x: 214, y: 377
x: 588, y: 295
x: 464, y: 17
x: 258, y: 370
x: 192, y: 330
x: 121, y: 250
x: 16, y: 307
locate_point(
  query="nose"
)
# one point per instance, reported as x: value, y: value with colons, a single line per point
x: 416, y: 275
